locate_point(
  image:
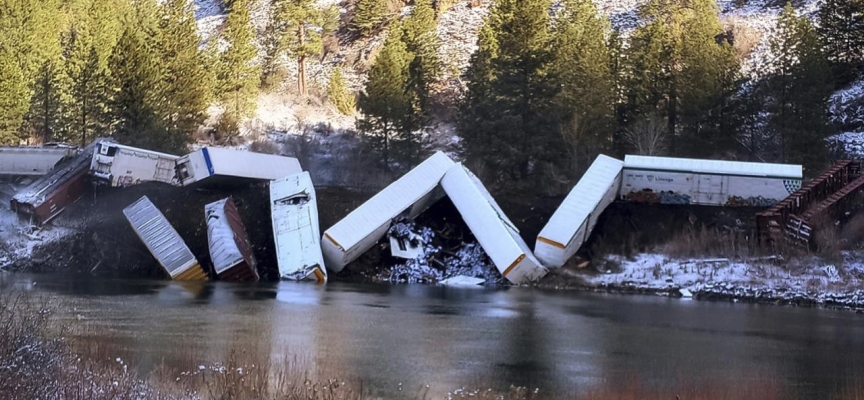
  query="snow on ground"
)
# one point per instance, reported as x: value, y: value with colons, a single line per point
x: 457, y: 30
x: 847, y: 106
x: 18, y: 238
x: 772, y: 278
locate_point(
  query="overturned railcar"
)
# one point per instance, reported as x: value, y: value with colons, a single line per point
x: 230, y: 249
x: 117, y: 165
x: 407, y: 197
x: 498, y: 236
x: 228, y: 164
x: 33, y: 161
x: 294, y: 210
x: 665, y: 180
x: 573, y: 221
x: 49, y: 195
x: 163, y: 241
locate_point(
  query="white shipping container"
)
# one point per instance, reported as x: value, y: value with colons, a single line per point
x: 408, y: 196
x: 494, y: 231
x: 294, y: 210
x: 574, y: 220
x: 667, y: 180
x: 218, y: 161
x: 163, y: 241
x: 117, y: 165
x: 33, y: 161
x: 228, y: 243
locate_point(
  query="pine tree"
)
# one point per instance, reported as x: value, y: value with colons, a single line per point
x: 422, y: 42
x: 50, y: 92
x: 678, y: 67
x: 136, y: 90
x: 386, y: 103
x: 507, y: 122
x: 29, y: 30
x: 339, y: 95
x: 799, y: 90
x: 369, y: 15
x: 14, y: 96
x: 582, y: 65
x: 188, y: 85
x: 841, y: 28
x: 90, y: 40
x: 238, y: 75
x: 298, y: 26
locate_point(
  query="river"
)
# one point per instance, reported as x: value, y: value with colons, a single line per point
x: 398, y: 338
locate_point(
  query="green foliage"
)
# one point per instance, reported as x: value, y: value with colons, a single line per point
x: 508, y: 123
x: 679, y: 67
x: 238, y: 75
x: 369, y: 16
x: 841, y: 28
x: 296, y: 26
x: 422, y: 42
x: 14, y: 96
x: 339, y: 95
x: 799, y: 91
x: 50, y: 91
x: 386, y: 101
x: 582, y: 66
x: 188, y: 84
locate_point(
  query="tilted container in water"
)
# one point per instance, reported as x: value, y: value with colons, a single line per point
x: 228, y: 243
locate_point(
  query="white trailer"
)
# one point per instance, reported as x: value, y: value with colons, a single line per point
x: 294, y: 210
x: 572, y: 223
x: 667, y: 180
x: 407, y: 197
x: 163, y: 241
x: 494, y: 231
x: 33, y: 161
x: 230, y: 251
x: 229, y: 163
x: 117, y: 165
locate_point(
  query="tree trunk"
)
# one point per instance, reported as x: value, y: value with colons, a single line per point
x: 301, y: 61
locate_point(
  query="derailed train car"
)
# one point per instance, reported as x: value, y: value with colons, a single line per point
x: 498, y: 236
x: 49, y: 195
x: 163, y: 241
x: 33, y: 161
x: 117, y: 165
x: 230, y: 251
x: 214, y: 163
x: 294, y: 210
x: 407, y: 197
x: 574, y: 220
x: 665, y: 180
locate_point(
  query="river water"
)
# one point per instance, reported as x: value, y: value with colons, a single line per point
x: 396, y: 339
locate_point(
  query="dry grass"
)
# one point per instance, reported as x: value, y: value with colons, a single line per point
x: 762, y: 389
x: 706, y: 242
x: 744, y: 38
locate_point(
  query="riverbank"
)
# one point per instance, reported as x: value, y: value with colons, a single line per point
x: 801, y: 281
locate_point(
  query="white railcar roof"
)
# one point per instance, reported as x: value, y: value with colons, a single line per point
x: 159, y: 236
x: 220, y: 237
x: 295, y: 226
x: 247, y: 164
x: 391, y: 201
x: 497, y: 235
x: 718, y: 167
x: 582, y: 199
x: 139, y: 150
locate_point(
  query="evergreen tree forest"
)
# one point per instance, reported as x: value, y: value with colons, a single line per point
x: 550, y: 86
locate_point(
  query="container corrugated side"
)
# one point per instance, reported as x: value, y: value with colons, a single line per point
x: 574, y: 219
x: 494, y: 231
x: 162, y: 240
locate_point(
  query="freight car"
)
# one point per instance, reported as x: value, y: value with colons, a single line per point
x: 665, y: 180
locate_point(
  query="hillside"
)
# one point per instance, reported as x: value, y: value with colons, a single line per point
x: 752, y: 23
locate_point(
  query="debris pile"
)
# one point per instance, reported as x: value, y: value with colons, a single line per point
x: 445, y: 248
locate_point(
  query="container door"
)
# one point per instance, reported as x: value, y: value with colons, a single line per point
x: 709, y: 189
x: 164, y: 170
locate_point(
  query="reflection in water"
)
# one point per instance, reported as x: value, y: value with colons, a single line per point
x: 394, y: 337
